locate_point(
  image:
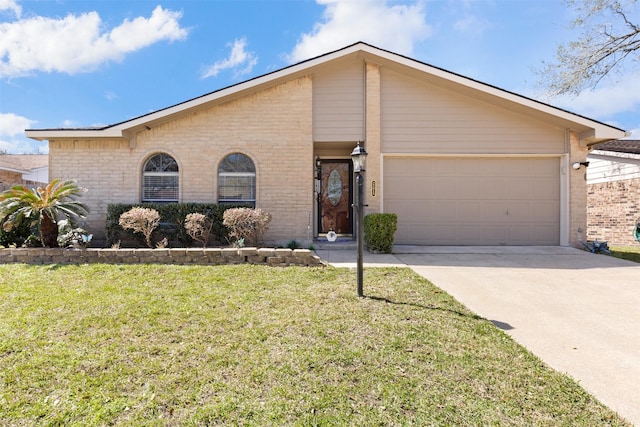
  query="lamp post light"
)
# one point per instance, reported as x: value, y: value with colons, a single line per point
x: 359, y: 157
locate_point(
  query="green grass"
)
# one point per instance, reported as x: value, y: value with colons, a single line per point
x: 164, y: 345
x: 631, y: 253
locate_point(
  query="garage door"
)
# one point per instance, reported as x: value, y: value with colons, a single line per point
x: 474, y: 201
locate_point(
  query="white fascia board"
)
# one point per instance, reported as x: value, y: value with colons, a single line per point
x: 48, y: 134
x: 606, y: 155
x: 10, y: 169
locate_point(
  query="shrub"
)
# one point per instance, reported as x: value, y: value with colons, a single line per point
x: 16, y: 236
x: 172, y: 224
x: 71, y: 236
x: 246, y: 224
x: 379, y: 230
x: 141, y: 220
x: 294, y: 244
x: 198, y: 226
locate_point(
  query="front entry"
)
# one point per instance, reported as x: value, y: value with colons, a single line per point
x: 334, y: 198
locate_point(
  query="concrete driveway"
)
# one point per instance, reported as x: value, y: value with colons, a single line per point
x: 579, y: 312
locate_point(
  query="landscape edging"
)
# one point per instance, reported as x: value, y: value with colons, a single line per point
x: 277, y: 257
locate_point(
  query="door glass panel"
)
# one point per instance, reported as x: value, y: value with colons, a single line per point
x: 334, y: 190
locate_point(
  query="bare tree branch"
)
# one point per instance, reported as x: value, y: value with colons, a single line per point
x: 609, y: 39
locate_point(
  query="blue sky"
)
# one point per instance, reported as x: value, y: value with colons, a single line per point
x: 69, y: 64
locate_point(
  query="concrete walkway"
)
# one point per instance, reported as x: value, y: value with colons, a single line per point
x: 579, y: 312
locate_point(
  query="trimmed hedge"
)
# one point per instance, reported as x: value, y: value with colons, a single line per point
x: 172, y: 216
x: 379, y: 230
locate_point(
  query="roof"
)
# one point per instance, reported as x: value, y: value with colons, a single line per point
x: 23, y: 162
x: 629, y: 146
x: 591, y: 131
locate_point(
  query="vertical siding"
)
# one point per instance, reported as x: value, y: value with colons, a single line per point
x: 420, y: 117
x: 338, y: 103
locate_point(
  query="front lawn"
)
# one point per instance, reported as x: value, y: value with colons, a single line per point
x: 227, y: 345
x: 631, y: 253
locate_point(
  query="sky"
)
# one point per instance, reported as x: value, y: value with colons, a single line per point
x: 81, y: 63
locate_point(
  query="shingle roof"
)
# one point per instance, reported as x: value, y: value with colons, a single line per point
x: 23, y: 162
x: 631, y: 146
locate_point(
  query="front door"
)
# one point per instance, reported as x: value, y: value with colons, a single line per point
x: 334, y: 204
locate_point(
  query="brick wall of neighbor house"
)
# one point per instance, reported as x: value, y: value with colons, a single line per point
x: 273, y: 127
x: 613, y: 209
x: 8, y: 177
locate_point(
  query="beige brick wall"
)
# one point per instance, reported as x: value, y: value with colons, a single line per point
x: 374, y: 161
x: 613, y: 209
x: 273, y: 127
x: 577, y: 192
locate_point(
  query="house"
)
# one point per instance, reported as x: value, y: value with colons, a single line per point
x: 459, y: 161
x: 613, y: 183
x: 23, y: 169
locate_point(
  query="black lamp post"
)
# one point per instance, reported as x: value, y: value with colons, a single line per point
x: 359, y: 157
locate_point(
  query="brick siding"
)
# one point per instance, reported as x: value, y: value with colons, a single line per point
x: 613, y: 209
x: 8, y: 179
x: 273, y: 127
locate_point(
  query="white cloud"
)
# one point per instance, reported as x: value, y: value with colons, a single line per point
x: 12, y: 137
x: 23, y: 145
x: 606, y: 101
x: 12, y: 124
x: 111, y: 95
x: 12, y: 6
x: 239, y: 59
x: 633, y: 134
x: 69, y: 124
x: 394, y: 27
x: 472, y: 24
x: 76, y: 43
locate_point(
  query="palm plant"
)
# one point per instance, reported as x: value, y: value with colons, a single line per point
x: 42, y: 206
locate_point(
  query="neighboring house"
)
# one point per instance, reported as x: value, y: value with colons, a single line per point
x: 25, y: 169
x: 459, y: 161
x: 613, y: 182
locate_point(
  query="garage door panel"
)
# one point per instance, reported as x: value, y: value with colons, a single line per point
x: 542, y: 211
x: 545, y: 189
x: 474, y: 201
x: 546, y: 234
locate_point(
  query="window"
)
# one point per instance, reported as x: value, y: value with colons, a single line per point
x: 237, y: 180
x: 160, y: 179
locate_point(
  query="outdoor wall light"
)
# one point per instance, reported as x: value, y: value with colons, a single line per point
x: 577, y: 165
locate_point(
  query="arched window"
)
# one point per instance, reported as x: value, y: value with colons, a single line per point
x: 237, y: 180
x: 160, y: 179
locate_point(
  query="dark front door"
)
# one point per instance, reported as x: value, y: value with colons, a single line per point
x: 335, y: 197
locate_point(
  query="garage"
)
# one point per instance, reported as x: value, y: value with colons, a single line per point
x: 474, y: 200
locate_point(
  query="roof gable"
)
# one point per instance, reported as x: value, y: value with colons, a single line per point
x: 591, y: 131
